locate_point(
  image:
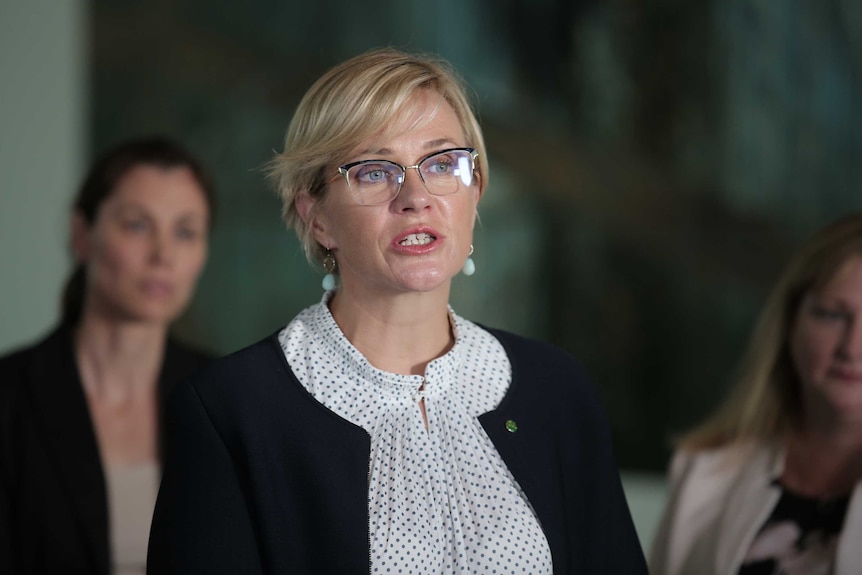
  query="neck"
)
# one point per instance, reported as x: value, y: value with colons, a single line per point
x: 824, y: 461
x: 399, y: 333
x: 118, y: 358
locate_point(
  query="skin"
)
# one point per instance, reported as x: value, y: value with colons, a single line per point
x: 826, y: 344
x: 147, y: 246
x: 825, y: 457
x: 392, y: 303
x: 143, y: 255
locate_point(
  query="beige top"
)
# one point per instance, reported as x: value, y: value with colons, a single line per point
x: 132, y: 491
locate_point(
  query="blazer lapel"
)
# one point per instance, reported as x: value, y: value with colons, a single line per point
x: 59, y: 399
x: 749, y: 503
x: 848, y: 557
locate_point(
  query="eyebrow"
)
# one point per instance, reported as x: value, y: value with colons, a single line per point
x: 136, y: 208
x: 429, y: 145
x: 830, y: 300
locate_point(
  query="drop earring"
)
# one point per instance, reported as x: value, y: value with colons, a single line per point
x: 329, y: 265
x: 469, y: 267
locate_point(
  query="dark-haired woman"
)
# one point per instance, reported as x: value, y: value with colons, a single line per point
x: 80, y: 410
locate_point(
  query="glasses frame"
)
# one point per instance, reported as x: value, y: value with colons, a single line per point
x: 343, y: 170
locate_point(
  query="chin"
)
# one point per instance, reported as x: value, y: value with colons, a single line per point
x: 152, y: 313
x: 846, y: 400
x: 426, y: 281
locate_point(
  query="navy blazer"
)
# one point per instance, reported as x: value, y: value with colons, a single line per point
x: 260, y: 478
x: 53, y: 498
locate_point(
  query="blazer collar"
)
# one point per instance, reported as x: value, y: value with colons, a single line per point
x: 751, y: 499
x: 848, y: 557
x: 59, y: 400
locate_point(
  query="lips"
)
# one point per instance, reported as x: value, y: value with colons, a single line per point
x: 844, y: 374
x: 157, y: 288
x: 420, y: 239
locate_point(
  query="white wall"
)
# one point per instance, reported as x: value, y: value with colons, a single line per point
x: 646, y: 494
x: 43, y: 80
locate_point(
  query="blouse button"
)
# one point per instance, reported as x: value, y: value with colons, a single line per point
x: 511, y: 426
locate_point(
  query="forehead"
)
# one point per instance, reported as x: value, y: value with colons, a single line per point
x: 846, y: 282
x: 425, y: 120
x: 160, y: 189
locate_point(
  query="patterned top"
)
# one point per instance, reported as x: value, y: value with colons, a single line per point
x: 799, y: 538
x: 441, y: 499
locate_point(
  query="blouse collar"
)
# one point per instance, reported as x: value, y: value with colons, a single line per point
x: 439, y: 373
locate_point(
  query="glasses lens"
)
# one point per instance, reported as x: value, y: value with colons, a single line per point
x: 447, y: 172
x: 374, y: 182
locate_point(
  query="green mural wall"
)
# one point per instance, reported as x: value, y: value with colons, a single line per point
x: 653, y: 163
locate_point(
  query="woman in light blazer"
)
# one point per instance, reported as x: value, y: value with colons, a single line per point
x: 772, y: 483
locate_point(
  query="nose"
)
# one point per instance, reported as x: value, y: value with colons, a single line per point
x: 851, y: 343
x: 413, y: 194
x: 162, y: 248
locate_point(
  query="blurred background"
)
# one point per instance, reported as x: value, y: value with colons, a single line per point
x: 653, y: 164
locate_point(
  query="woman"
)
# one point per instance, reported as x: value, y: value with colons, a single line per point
x: 80, y: 410
x: 378, y: 431
x: 773, y: 482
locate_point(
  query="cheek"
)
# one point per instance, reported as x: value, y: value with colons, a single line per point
x: 111, y: 257
x: 465, y: 214
x: 358, y: 233
x: 192, y: 264
x: 810, y: 352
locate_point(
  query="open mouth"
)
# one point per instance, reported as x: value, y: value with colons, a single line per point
x: 417, y: 240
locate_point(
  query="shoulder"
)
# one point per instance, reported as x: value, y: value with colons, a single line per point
x: 252, y: 396
x: 239, y: 377
x: 189, y: 353
x: 31, y: 374
x: 259, y: 358
x: 708, y: 487
x: 701, y: 481
x: 551, y: 385
x: 718, y: 465
x: 16, y: 365
x: 543, y: 368
x: 182, y: 360
x: 14, y: 368
x: 536, y: 354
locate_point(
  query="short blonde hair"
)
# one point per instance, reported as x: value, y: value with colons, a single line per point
x: 351, y: 103
x: 766, y: 401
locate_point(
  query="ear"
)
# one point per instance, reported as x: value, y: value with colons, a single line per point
x: 477, y: 195
x: 479, y: 185
x: 79, y: 237
x: 313, y: 217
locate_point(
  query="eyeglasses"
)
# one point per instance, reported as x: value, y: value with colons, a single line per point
x: 374, y: 182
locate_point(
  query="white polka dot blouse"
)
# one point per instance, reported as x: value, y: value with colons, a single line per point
x: 441, y: 499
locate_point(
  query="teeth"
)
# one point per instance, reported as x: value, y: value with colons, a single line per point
x: 417, y: 240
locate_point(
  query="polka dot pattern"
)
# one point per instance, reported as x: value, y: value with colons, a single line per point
x: 441, y: 499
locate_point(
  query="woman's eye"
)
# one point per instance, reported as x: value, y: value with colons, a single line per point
x: 188, y: 234
x: 829, y: 314
x: 371, y: 175
x: 375, y: 176
x: 135, y: 225
x: 440, y: 167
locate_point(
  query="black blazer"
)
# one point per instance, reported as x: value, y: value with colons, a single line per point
x: 53, y: 498
x: 260, y: 478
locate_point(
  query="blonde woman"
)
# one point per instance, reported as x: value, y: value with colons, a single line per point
x: 379, y: 432
x: 773, y: 482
